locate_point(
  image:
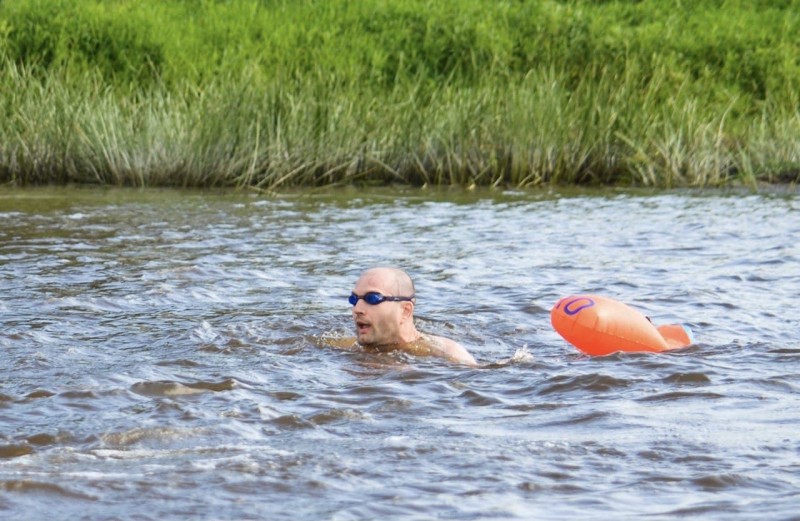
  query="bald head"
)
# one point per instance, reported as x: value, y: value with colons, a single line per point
x: 393, y: 281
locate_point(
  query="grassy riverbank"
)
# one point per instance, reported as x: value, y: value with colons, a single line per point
x: 278, y: 93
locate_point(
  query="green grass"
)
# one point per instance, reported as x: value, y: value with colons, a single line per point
x: 271, y: 93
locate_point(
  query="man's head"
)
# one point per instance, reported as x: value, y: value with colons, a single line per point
x: 391, y: 321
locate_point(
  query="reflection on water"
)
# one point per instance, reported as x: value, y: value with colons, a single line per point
x: 162, y: 357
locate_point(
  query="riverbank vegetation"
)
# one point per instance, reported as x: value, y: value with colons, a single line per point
x: 271, y: 93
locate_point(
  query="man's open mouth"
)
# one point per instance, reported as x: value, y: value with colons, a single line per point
x: 362, y: 327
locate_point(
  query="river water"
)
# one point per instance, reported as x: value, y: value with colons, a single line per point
x: 163, y: 356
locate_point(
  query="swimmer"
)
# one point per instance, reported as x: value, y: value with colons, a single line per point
x: 383, y: 311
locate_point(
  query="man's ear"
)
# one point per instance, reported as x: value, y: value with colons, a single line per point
x: 408, y: 310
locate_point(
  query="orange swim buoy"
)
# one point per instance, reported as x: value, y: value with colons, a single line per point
x: 600, y: 326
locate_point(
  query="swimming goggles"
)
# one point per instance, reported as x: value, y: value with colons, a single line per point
x: 374, y: 298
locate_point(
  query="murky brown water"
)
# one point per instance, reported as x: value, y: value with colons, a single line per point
x: 160, y: 359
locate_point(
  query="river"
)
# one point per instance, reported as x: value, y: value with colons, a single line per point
x: 163, y: 356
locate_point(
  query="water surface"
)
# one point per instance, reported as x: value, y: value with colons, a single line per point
x: 163, y: 357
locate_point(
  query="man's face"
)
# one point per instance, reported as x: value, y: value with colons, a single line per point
x: 379, y: 324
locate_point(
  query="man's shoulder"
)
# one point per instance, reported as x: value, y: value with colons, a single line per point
x: 451, y: 349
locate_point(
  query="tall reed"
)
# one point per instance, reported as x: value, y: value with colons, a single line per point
x: 271, y: 94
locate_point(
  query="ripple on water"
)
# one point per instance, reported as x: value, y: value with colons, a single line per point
x: 170, y: 388
x: 14, y: 450
x: 143, y: 435
x: 688, y: 379
x: 674, y: 396
x: 592, y: 382
x: 47, y: 489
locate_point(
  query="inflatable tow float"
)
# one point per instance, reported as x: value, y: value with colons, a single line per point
x: 600, y: 326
